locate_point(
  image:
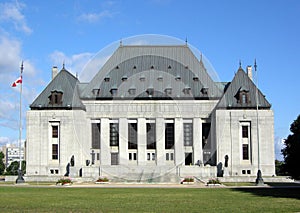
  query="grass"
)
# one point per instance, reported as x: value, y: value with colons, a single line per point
x: 70, y: 199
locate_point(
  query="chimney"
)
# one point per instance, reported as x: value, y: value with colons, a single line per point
x: 54, y: 72
x: 249, y: 72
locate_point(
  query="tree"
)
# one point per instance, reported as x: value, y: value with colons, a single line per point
x: 13, y: 168
x: 291, y: 152
x: 2, y: 166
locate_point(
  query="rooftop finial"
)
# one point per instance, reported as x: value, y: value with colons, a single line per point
x: 121, y: 43
x: 186, y: 41
x: 22, y: 67
x: 200, y: 57
x: 240, y: 64
x: 255, y: 66
x: 63, y: 64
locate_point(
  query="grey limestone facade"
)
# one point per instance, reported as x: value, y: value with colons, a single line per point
x: 150, y: 113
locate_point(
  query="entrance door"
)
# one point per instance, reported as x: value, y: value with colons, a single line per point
x: 188, y: 159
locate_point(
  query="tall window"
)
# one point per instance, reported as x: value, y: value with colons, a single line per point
x: 54, y: 131
x: 205, y: 134
x: 169, y: 136
x: 188, y: 134
x: 95, y: 135
x: 132, y: 136
x: 245, y: 133
x: 245, y: 140
x: 245, y: 152
x: 54, y: 151
x: 114, y: 134
x: 151, y: 136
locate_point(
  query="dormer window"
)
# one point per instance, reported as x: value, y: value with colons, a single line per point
x: 114, y: 91
x: 124, y: 78
x: 134, y: 67
x: 142, y: 78
x: 168, y: 91
x: 117, y: 67
x: 96, y: 92
x: 107, y: 79
x: 132, y: 91
x: 187, y: 90
x: 178, y: 78
x: 55, y: 98
x: 204, y: 90
x: 152, y: 67
x: 169, y: 67
x: 195, y: 78
x: 160, y: 78
x: 150, y: 91
x: 243, y: 96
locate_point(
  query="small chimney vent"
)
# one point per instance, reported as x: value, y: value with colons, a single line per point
x: 54, y: 72
x: 249, y: 72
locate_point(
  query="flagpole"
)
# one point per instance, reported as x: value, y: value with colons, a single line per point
x: 20, y: 178
x: 259, y: 180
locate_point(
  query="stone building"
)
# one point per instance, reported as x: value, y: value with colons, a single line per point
x: 150, y: 113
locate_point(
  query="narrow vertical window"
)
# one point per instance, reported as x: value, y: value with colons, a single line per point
x: 132, y: 136
x: 245, y: 131
x: 54, y: 131
x: 114, y: 134
x: 95, y: 135
x: 245, y: 152
x: 54, y: 151
x: 151, y: 136
x: 169, y: 136
x: 188, y: 134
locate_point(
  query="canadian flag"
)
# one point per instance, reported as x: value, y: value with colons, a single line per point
x: 18, y: 81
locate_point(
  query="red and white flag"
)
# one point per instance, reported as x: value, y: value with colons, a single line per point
x: 18, y: 81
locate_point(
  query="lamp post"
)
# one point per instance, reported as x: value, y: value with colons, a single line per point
x: 259, y: 180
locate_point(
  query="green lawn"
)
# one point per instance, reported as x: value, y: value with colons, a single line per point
x: 71, y: 199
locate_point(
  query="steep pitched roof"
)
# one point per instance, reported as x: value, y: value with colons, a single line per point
x: 242, y: 83
x: 146, y: 68
x: 64, y: 83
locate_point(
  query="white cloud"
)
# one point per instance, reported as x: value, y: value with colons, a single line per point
x: 95, y: 17
x: 4, y: 141
x: 11, y: 12
x: 279, y: 145
x: 74, y: 63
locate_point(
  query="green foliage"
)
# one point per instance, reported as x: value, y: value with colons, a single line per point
x: 280, y: 168
x: 64, y: 181
x: 102, y: 179
x: 188, y: 179
x: 291, y: 152
x: 2, y: 166
x: 13, y: 168
x: 214, y: 181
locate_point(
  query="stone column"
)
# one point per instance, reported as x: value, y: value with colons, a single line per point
x: 160, y: 142
x: 197, y: 141
x: 105, y: 157
x: 179, y: 148
x: 123, y: 143
x: 142, y: 141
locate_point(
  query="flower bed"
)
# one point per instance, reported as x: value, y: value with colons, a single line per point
x: 64, y: 181
x: 214, y: 182
x: 102, y: 180
x: 187, y: 180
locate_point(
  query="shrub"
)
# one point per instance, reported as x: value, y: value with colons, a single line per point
x: 188, y: 180
x: 102, y: 179
x: 64, y: 181
x: 214, y: 181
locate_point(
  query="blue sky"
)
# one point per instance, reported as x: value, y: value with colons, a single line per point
x: 48, y: 33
